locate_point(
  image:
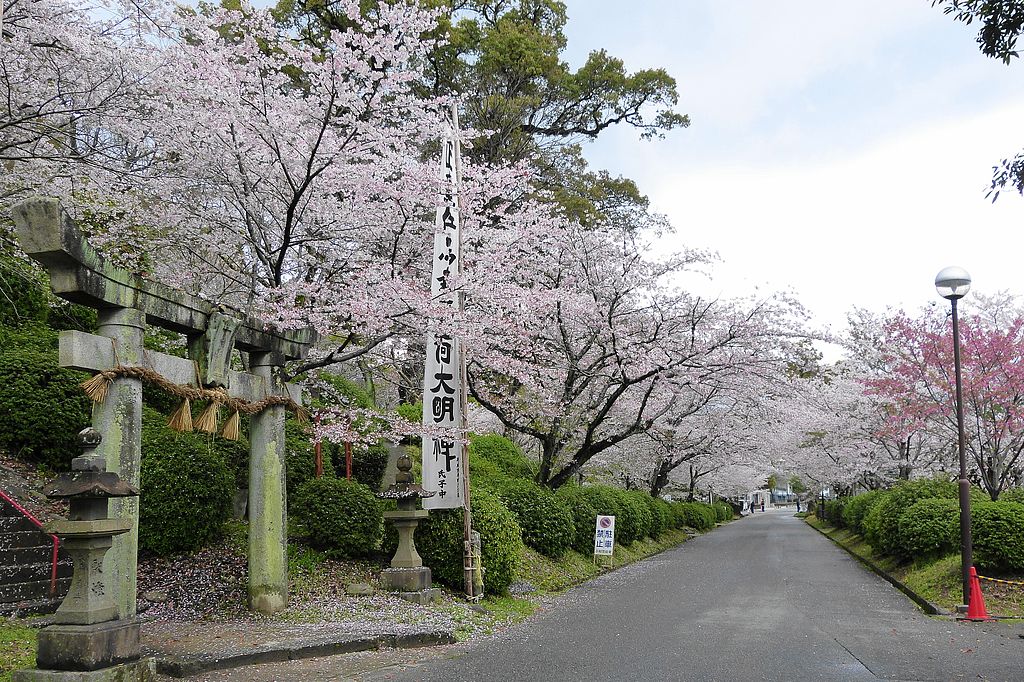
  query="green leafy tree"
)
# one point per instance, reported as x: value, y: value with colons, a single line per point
x: 505, y: 56
x: 1001, y: 23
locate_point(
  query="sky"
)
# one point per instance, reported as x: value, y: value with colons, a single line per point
x: 838, y: 150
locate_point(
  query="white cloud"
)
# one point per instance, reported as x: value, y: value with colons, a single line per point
x: 870, y: 230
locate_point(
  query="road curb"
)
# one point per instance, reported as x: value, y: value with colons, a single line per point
x: 188, y: 665
x: 925, y: 605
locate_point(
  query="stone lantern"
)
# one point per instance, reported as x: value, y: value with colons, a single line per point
x: 407, y: 574
x: 87, y: 642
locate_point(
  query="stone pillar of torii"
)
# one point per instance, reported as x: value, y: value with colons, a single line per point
x: 125, y: 304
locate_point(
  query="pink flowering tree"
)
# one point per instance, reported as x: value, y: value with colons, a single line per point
x: 919, y: 390
x: 914, y: 449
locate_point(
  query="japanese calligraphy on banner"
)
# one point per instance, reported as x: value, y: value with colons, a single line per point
x: 604, y: 536
x: 442, y: 377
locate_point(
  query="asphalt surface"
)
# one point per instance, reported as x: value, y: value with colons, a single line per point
x: 763, y: 598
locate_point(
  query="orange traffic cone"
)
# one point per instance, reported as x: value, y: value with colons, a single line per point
x: 976, y: 608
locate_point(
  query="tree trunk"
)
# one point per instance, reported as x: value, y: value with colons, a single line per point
x: 660, y: 479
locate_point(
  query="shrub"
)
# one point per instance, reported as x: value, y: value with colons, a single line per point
x: 698, y: 516
x: 346, y: 391
x: 676, y: 514
x: 584, y: 517
x: 1012, y: 495
x: 929, y: 528
x: 343, y: 518
x: 857, y: 507
x: 186, y: 488
x: 300, y: 458
x: 723, y: 510
x: 504, y: 456
x: 834, y: 511
x: 23, y: 295
x: 368, y: 464
x: 997, y: 532
x: 545, y: 521
x: 636, y: 520
x: 603, y: 498
x: 413, y: 413
x: 42, y: 406
x: 659, y: 515
x: 881, y: 524
x: 439, y: 542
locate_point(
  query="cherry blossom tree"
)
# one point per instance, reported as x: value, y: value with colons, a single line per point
x: 232, y: 161
x: 920, y: 388
x: 622, y: 353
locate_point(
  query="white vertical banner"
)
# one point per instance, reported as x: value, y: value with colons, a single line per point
x: 442, y: 375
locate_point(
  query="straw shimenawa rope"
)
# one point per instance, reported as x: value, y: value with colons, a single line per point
x: 181, y: 420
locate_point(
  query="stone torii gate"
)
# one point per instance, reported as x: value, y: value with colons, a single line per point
x: 125, y: 303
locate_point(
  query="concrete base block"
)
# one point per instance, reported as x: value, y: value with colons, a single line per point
x: 406, y: 579
x: 267, y: 601
x: 423, y: 597
x: 143, y: 670
x: 88, y: 647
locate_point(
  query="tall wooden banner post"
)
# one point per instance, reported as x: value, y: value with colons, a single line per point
x: 445, y: 463
x: 125, y: 304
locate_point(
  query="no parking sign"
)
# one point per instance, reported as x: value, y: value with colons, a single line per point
x: 604, y: 535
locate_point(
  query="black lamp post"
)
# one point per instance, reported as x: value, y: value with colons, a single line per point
x: 953, y: 283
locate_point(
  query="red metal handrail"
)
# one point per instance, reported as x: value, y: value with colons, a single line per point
x: 56, y: 541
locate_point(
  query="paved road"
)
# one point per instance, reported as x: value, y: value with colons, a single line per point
x: 764, y: 598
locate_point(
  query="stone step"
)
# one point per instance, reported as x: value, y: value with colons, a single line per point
x: 23, y: 538
x: 31, y: 591
x: 28, y: 555
x: 32, y: 572
x: 34, y: 607
x: 11, y: 524
x: 7, y: 509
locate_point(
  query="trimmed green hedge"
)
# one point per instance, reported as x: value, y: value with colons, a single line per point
x: 723, y: 511
x: 42, y: 406
x: 495, y: 460
x: 604, y: 499
x: 857, y: 507
x: 929, y: 528
x: 186, y: 487
x: 1012, y: 495
x: 699, y: 516
x: 343, y: 518
x: 997, y: 532
x: 584, y: 517
x: 545, y: 520
x: 439, y: 542
x: 676, y: 515
x: 634, y: 522
x: 834, y: 511
x: 300, y: 458
x: 881, y: 524
x: 659, y: 515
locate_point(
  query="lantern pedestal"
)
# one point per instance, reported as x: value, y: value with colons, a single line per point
x: 407, y: 575
x: 87, y: 642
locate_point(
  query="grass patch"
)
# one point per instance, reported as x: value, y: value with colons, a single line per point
x: 549, y: 575
x: 509, y: 609
x: 937, y: 580
x: 17, y: 649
